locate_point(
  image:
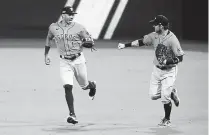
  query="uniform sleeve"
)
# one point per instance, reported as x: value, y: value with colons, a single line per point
x: 86, y: 37
x: 84, y: 34
x: 176, y: 47
x: 148, y: 39
x: 49, y: 36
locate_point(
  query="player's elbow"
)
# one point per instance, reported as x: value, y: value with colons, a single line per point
x: 180, y: 58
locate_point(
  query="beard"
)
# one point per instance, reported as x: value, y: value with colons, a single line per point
x: 68, y: 21
x: 158, y: 31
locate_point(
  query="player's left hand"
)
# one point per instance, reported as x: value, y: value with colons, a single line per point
x: 47, y: 60
x: 88, y: 42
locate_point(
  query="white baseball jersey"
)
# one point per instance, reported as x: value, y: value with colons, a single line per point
x: 68, y: 40
x: 162, y: 81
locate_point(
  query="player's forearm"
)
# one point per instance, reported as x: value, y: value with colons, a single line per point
x: 46, y: 52
x: 49, y: 40
x: 135, y: 43
x: 48, y: 45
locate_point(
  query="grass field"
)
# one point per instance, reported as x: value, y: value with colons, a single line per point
x: 32, y: 98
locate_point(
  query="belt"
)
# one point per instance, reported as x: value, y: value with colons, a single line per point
x: 70, y: 57
x: 163, y: 67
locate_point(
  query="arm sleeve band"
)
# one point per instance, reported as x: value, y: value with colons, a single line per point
x: 135, y: 43
x: 140, y: 41
x: 175, y: 60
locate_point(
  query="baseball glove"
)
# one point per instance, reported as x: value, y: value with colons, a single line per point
x: 88, y: 43
x: 162, y: 53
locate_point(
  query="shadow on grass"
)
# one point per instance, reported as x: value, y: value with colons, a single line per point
x: 163, y: 131
x: 118, y: 127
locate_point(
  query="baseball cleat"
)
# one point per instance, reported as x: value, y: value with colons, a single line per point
x: 165, y: 123
x: 174, y: 97
x: 92, y: 91
x: 72, y: 119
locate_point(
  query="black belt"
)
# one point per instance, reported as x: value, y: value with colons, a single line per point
x: 70, y: 57
x: 163, y: 67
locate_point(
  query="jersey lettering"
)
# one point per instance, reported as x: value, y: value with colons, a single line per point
x: 68, y: 39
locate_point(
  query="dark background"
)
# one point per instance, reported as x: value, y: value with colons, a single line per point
x: 188, y: 18
x: 195, y: 19
x: 30, y: 19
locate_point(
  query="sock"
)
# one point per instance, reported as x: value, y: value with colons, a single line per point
x: 69, y: 99
x: 167, y: 109
x: 128, y: 44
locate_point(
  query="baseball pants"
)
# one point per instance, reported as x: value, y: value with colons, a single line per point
x: 161, y: 83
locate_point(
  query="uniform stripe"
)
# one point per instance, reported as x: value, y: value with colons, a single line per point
x: 99, y: 17
x: 75, y: 4
x: 109, y: 18
x: 115, y: 19
x: 70, y: 2
x: 63, y: 37
x: 92, y: 14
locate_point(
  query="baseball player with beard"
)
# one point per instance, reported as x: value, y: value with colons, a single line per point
x: 168, y: 53
x: 70, y: 38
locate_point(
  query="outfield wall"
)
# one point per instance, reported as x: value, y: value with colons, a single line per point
x: 105, y: 19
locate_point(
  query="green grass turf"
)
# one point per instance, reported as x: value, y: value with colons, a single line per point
x: 32, y: 98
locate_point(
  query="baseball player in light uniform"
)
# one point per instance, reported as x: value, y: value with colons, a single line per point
x: 69, y: 38
x: 164, y: 71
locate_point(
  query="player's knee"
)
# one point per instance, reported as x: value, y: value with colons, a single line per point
x: 166, y: 101
x: 68, y: 87
x: 155, y: 97
x: 91, y: 85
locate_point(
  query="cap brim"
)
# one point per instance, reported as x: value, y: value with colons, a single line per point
x: 152, y: 22
x: 69, y: 13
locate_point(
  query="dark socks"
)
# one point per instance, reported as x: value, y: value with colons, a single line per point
x: 69, y: 98
x: 128, y: 44
x: 167, y: 109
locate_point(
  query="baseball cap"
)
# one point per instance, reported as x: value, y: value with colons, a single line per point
x: 160, y: 19
x: 68, y: 10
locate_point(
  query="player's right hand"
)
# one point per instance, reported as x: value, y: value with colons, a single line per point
x: 121, y: 46
x: 47, y: 60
